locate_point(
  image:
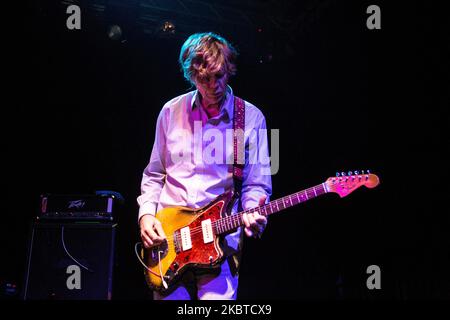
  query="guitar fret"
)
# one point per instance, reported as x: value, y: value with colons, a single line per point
x: 320, y: 190
x: 315, y: 193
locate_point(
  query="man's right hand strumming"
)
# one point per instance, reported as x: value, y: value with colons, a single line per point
x: 152, y: 233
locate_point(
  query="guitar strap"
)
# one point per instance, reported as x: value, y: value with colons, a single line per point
x: 238, y: 145
x: 238, y: 172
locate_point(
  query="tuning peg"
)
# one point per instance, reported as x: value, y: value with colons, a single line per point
x: 337, y: 174
x: 368, y: 171
x: 343, y: 173
x: 349, y: 173
x: 356, y: 172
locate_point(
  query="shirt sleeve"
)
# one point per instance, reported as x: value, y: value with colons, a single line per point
x: 257, y: 181
x: 154, y: 174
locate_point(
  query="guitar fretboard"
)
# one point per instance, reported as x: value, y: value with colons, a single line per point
x: 234, y: 221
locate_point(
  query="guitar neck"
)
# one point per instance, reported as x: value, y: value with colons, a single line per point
x: 232, y: 222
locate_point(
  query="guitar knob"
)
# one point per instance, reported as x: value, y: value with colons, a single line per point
x: 175, y: 265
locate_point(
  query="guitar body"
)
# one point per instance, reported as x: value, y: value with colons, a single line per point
x: 172, y: 258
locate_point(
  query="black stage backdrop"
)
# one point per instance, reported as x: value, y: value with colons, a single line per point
x: 79, y: 112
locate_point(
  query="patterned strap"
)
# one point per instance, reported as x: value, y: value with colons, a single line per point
x: 238, y: 144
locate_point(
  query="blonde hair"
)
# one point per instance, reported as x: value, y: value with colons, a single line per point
x: 204, y: 54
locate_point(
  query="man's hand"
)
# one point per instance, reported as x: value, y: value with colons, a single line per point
x: 254, y: 222
x: 152, y: 234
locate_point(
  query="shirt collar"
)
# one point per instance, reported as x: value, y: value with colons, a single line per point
x: 226, y: 107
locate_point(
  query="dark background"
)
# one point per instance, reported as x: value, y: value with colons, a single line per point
x: 79, y: 113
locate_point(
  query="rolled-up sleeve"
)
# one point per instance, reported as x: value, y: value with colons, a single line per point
x: 257, y: 181
x: 154, y: 174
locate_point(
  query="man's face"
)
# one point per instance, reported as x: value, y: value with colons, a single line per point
x: 212, y: 88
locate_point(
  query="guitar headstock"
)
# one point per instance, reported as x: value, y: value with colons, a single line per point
x: 345, y: 183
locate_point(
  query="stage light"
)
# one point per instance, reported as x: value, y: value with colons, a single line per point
x: 168, y: 27
x: 114, y: 32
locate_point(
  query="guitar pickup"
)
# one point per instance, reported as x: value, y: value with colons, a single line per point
x: 186, y: 242
x: 207, y: 231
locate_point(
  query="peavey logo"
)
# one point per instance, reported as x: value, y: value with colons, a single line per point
x: 76, y: 204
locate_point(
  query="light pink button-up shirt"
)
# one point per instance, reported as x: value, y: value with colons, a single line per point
x: 190, y: 168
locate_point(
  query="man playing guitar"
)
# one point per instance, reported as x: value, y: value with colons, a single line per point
x: 178, y: 174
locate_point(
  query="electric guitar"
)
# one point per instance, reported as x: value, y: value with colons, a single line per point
x: 193, y: 235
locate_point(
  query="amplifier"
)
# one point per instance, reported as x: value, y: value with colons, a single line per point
x: 99, y: 206
x: 70, y: 260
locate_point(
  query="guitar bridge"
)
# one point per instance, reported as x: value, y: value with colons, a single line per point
x: 176, y: 241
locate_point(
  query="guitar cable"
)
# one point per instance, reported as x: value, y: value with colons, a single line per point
x: 67, y: 252
x: 145, y: 266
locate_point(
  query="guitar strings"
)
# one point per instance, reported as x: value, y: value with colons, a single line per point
x: 310, y: 193
x: 238, y: 216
